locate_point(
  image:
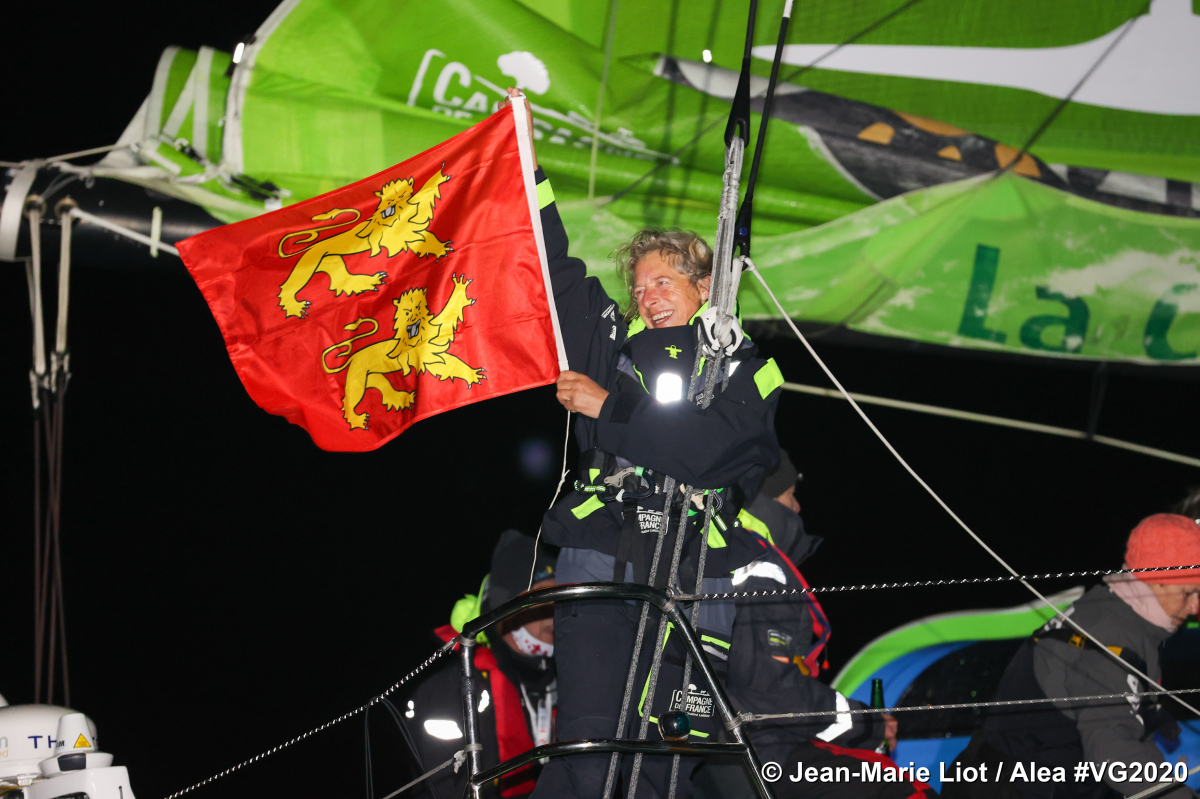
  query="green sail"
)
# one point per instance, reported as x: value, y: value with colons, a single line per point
x: 876, y: 209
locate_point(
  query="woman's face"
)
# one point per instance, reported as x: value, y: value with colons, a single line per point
x: 665, y: 296
x: 1179, y: 600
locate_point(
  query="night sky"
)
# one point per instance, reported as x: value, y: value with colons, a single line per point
x: 230, y: 586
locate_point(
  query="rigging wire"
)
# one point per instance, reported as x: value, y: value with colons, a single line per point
x: 429, y: 661
x: 801, y: 70
x: 1000, y: 421
x: 937, y: 498
x: 93, y: 151
x: 746, y: 212
x: 457, y: 760
x: 367, y: 752
x: 1049, y: 120
x: 608, y: 48
x: 748, y: 263
x: 65, y: 157
x: 1005, y: 578
x: 720, y: 336
x: 48, y: 390
x: 57, y: 184
x: 864, y: 32
x: 395, y: 714
x: 752, y: 717
x: 640, y: 637
x: 442, y: 650
x: 656, y: 659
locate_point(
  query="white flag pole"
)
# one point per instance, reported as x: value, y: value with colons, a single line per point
x: 525, y: 148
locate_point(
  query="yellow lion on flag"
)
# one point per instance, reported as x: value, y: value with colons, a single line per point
x: 400, y: 222
x: 420, y: 344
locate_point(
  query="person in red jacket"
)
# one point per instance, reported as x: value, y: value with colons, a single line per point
x: 514, y: 675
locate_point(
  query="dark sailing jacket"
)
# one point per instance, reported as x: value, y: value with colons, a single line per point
x: 787, y: 626
x: 729, y: 444
x: 780, y: 526
x: 1057, y: 662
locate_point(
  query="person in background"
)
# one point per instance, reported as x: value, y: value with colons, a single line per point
x: 1189, y: 506
x: 1132, y: 614
x: 514, y: 675
x: 774, y: 513
x: 774, y: 662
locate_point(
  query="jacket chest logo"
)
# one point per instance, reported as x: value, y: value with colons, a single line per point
x: 673, y: 351
x: 649, y: 520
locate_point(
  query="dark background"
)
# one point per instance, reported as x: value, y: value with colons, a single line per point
x: 229, y: 586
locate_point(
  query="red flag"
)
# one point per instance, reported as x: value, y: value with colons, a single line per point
x: 417, y: 290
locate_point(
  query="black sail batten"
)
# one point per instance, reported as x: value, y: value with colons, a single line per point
x: 739, y: 116
x: 742, y: 228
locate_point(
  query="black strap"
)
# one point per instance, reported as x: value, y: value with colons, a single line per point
x: 1154, y: 717
x: 739, y: 112
x: 1071, y: 637
x: 688, y: 565
x: 741, y: 235
x: 630, y: 547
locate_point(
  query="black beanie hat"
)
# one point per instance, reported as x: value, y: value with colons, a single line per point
x: 511, y: 562
x: 781, y: 478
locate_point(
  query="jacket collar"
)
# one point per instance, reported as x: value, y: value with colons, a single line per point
x: 638, y: 324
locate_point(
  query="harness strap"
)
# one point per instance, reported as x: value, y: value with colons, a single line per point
x: 1069, y: 636
x: 630, y: 548
x: 1154, y: 717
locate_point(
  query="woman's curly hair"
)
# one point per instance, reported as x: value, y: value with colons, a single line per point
x: 686, y: 251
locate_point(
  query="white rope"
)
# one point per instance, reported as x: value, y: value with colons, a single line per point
x: 952, y: 413
x: 64, y: 288
x: 749, y: 717
x: 123, y: 231
x: 68, y: 156
x: 561, y: 479
x: 457, y: 759
x: 33, y: 274
x: 883, y: 439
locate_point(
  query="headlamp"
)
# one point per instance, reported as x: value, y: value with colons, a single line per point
x: 668, y: 387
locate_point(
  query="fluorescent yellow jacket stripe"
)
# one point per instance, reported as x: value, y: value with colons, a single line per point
x: 545, y: 194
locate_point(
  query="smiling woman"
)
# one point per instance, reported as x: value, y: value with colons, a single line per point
x: 639, y: 439
x: 667, y: 274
